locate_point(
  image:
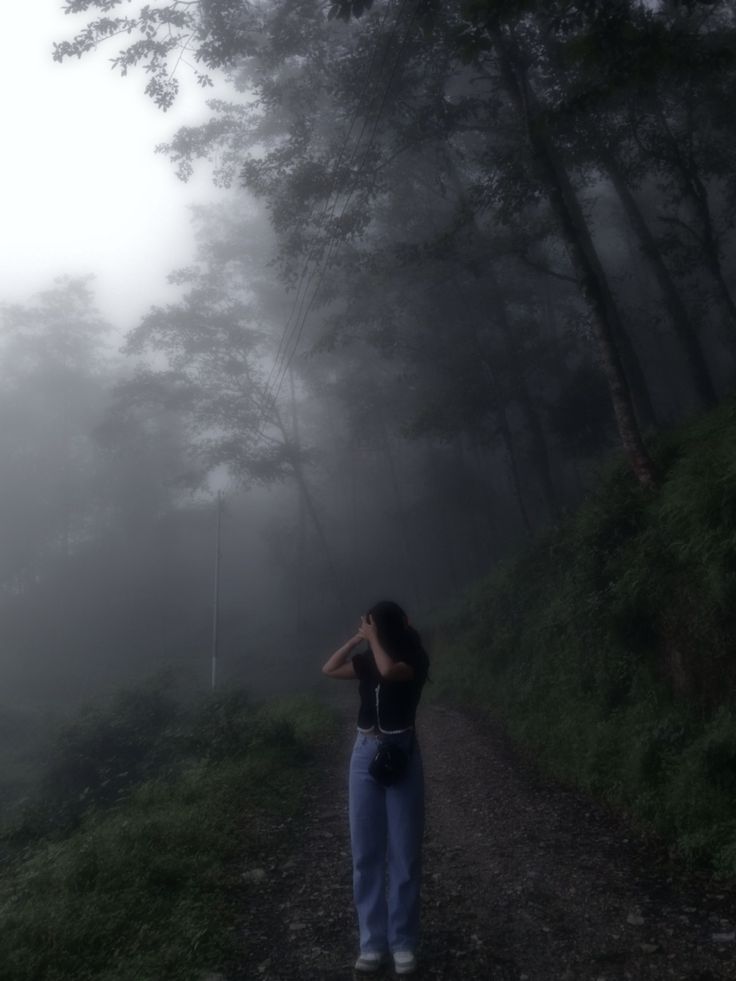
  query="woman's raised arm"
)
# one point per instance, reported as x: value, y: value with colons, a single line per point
x: 336, y: 666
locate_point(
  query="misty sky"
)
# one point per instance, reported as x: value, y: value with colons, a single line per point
x: 81, y: 189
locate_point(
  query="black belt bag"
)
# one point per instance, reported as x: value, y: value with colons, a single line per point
x: 390, y: 763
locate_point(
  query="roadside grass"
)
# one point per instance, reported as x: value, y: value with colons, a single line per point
x: 132, y: 877
x: 609, y: 647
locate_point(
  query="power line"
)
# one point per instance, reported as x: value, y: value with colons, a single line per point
x: 332, y: 242
x: 292, y: 333
x: 299, y: 298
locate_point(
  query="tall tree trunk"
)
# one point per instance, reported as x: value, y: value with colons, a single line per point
x: 479, y: 547
x: 518, y: 381
x: 409, y: 565
x: 688, y: 337
x: 485, y: 273
x: 635, y: 378
x: 451, y: 581
x: 569, y: 461
x: 310, y: 508
x: 564, y: 202
x: 540, y: 447
x: 301, y: 543
x: 696, y: 193
x: 507, y: 437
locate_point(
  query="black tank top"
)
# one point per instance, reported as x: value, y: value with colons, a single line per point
x: 389, y: 705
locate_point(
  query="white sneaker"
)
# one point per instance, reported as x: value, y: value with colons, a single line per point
x: 369, y: 963
x: 404, y: 962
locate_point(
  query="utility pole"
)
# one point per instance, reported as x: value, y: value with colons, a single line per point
x: 216, y: 604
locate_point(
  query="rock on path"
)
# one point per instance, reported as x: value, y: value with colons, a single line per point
x: 524, y: 880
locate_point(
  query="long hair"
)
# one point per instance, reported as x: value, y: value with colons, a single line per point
x: 397, y: 637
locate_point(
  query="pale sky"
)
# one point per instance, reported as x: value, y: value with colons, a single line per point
x: 81, y: 189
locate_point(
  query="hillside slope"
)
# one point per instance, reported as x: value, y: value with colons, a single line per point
x: 609, y: 648
x: 125, y: 863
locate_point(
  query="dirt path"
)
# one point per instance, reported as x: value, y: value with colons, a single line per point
x: 523, y: 881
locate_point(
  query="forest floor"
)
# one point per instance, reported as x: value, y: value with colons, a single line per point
x: 524, y: 879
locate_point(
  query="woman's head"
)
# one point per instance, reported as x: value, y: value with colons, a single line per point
x: 397, y: 637
x: 392, y: 626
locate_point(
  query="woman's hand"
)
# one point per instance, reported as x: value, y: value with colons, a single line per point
x: 367, y: 629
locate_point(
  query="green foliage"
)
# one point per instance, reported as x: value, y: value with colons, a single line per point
x: 138, y: 887
x: 608, y: 646
x: 308, y: 720
x: 99, y: 757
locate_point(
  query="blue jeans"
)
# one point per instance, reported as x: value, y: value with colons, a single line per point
x: 386, y: 829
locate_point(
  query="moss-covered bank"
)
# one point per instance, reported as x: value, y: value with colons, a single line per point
x: 609, y: 648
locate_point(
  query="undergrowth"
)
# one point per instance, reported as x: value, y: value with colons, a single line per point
x: 609, y: 647
x: 125, y: 863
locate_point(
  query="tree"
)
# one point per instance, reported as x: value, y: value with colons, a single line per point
x: 214, y: 376
x: 53, y: 351
x: 404, y: 78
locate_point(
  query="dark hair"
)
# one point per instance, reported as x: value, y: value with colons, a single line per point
x: 397, y: 637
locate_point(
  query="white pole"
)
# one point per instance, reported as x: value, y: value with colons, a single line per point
x: 216, y: 604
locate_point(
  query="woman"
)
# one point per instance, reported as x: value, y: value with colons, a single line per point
x: 386, y: 822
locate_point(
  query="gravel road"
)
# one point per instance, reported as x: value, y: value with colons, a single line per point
x: 524, y: 880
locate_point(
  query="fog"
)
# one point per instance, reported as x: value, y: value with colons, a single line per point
x: 395, y: 379
x: 82, y: 190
